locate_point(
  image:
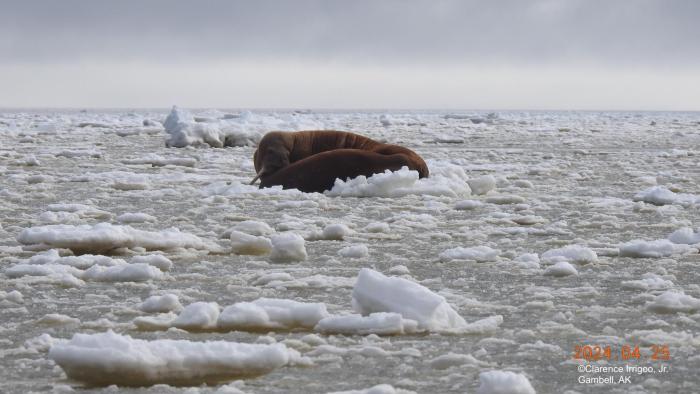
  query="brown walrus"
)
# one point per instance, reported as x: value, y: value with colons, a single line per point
x: 312, y: 160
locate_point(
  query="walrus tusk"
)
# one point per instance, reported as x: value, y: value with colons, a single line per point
x: 257, y: 176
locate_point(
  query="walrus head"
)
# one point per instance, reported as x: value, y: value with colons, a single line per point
x: 271, y: 155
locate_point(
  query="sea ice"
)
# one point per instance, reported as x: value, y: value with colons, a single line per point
x: 287, y: 247
x: 198, y: 316
x: 161, y: 304
x: 109, y: 358
x: 572, y: 253
x: 374, y: 292
x: 657, y: 248
x: 103, y: 237
x: 504, y: 382
x: 380, y: 323
x: 268, y: 313
x: 477, y: 253
x: 672, y: 301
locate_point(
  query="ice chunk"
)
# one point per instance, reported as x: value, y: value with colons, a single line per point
x: 104, y: 237
x: 571, y: 253
x: 478, y: 253
x: 657, y: 248
x: 562, y: 268
x: 354, y: 251
x: 378, y: 389
x: 673, y: 301
x: 266, y: 313
x: 157, y: 260
x: 122, y: 273
x: 246, y: 244
x: 661, y: 195
x: 288, y: 247
x: 504, y: 382
x: 161, y: 304
x: 380, y: 323
x: 686, y: 236
x: 374, y: 292
x: 198, y: 316
x: 482, y: 185
x: 109, y: 358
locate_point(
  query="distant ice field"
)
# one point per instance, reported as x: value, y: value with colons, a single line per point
x: 134, y: 253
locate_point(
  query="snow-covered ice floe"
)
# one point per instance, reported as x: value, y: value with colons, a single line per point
x: 661, y: 195
x: 443, y: 181
x: 103, y: 237
x: 183, y: 130
x: 378, y: 389
x: 109, y: 358
x: 220, y: 130
x: 73, y: 270
x: 657, y: 248
x: 374, y: 292
x: 266, y: 313
x: 504, y: 382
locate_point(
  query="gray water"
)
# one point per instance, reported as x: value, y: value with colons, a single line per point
x: 584, y: 168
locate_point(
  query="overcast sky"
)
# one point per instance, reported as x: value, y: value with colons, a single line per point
x: 509, y: 54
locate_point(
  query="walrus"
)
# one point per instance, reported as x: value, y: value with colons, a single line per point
x: 312, y: 160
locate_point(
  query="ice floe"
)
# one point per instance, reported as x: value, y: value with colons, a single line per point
x: 103, y: 237
x: 657, y: 248
x: 504, y: 382
x: 477, y: 253
x: 661, y: 195
x: 374, y: 292
x: 109, y: 358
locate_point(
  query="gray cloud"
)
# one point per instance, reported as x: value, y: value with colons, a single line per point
x: 645, y: 33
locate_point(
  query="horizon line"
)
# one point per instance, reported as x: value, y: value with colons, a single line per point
x: 328, y: 109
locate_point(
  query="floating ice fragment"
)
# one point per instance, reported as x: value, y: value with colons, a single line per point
x: 380, y: 323
x: 198, y: 316
x: 374, y: 292
x: 103, y: 237
x: 673, y: 301
x: 571, y: 253
x: 657, y: 248
x: 661, y: 195
x: 269, y: 313
x: 562, y: 268
x: 161, y: 304
x: 504, y: 382
x: 478, y: 253
x: 288, y: 247
x: 354, y: 251
x: 109, y: 358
